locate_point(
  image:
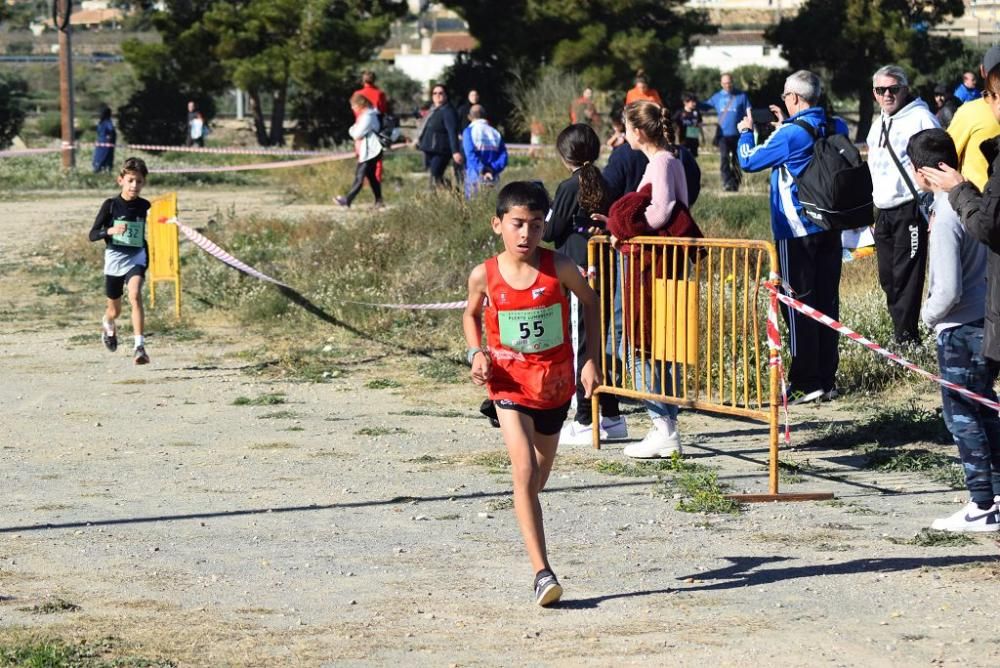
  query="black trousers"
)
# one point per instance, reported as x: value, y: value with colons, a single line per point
x: 811, y: 267
x: 365, y: 169
x: 608, y: 402
x: 727, y: 153
x: 901, y: 248
x: 436, y: 164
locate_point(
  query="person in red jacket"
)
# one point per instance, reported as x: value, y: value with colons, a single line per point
x: 380, y: 103
x: 374, y: 94
x: 527, y: 363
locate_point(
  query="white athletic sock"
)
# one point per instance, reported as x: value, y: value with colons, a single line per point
x: 665, y: 424
x: 109, y: 327
x: 139, y: 340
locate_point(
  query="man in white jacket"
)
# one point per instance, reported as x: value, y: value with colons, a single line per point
x: 901, y: 224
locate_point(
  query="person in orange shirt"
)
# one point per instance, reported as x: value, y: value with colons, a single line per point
x: 642, y: 91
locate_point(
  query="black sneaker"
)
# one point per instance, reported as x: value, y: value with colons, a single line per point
x: 140, y: 356
x: 110, y: 340
x: 547, y: 588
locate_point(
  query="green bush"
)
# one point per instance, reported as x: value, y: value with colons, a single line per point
x: 13, y: 90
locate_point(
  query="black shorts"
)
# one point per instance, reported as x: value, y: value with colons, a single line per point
x: 114, y: 286
x: 548, y: 421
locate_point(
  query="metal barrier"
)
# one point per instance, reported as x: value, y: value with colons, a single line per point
x: 164, y: 248
x: 692, y: 330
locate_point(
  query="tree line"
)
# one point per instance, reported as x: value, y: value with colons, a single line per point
x: 300, y: 58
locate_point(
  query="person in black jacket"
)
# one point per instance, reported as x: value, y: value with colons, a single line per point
x: 569, y: 226
x: 439, y: 137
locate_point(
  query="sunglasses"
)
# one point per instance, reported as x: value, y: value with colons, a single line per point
x: 882, y: 90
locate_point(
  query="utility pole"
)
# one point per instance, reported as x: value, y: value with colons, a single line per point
x: 61, y: 10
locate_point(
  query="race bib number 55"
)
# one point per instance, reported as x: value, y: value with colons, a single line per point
x: 532, y: 330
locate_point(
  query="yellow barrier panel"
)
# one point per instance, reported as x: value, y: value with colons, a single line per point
x: 164, y: 248
x: 693, y: 330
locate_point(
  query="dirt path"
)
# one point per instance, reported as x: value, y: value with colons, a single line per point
x: 357, y: 526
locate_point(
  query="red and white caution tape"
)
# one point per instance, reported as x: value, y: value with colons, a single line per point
x: 774, y: 345
x: 215, y: 251
x: 17, y: 152
x: 279, y: 164
x: 220, y: 254
x: 871, y: 345
x: 217, y: 150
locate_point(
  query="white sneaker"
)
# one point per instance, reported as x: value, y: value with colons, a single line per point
x: 613, y: 428
x: 661, y: 441
x: 970, y: 518
x: 574, y: 433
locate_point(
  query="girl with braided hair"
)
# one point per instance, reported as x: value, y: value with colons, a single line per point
x: 569, y: 226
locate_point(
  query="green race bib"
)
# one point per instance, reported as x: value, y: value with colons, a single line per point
x: 531, y: 330
x: 134, y: 234
x: 692, y: 132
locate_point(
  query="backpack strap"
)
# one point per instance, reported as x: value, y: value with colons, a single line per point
x: 805, y: 126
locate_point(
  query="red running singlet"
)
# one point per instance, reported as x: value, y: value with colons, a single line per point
x: 527, y: 334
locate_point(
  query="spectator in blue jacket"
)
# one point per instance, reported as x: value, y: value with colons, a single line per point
x: 809, y: 257
x: 485, y: 152
x: 731, y: 105
x: 967, y: 91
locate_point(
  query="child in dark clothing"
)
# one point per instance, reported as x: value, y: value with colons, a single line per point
x: 121, y: 224
x: 688, y: 123
x: 569, y: 226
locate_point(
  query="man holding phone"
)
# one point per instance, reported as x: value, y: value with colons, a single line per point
x: 809, y: 256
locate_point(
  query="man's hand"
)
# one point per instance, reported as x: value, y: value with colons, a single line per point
x: 117, y: 229
x: 779, y: 112
x: 746, y: 125
x: 457, y: 157
x: 942, y: 179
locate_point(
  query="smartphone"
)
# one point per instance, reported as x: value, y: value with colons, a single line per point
x: 762, y: 116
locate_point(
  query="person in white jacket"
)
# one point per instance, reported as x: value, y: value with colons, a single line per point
x: 900, y: 224
x: 364, y: 132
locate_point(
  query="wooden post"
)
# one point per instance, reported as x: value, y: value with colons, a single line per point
x: 61, y: 10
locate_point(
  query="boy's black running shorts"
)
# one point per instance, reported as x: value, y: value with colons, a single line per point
x: 548, y: 421
x: 114, y: 286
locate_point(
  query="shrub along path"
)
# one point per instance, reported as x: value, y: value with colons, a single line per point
x: 200, y: 514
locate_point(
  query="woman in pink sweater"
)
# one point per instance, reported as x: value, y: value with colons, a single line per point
x: 662, y: 199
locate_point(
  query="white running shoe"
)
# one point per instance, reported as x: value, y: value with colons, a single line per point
x: 663, y: 440
x: 970, y: 518
x: 574, y: 433
x: 613, y: 428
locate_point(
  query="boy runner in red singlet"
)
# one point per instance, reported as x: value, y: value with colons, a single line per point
x: 527, y: 364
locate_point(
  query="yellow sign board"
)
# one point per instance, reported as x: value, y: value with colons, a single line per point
x: 164, y: 248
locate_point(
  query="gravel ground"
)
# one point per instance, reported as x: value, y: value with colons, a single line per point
x: 359, y: 526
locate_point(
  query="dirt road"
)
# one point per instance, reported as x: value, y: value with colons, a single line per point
x: 345, y: 525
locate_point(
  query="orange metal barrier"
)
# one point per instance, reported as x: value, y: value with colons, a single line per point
x: 694, y: 311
